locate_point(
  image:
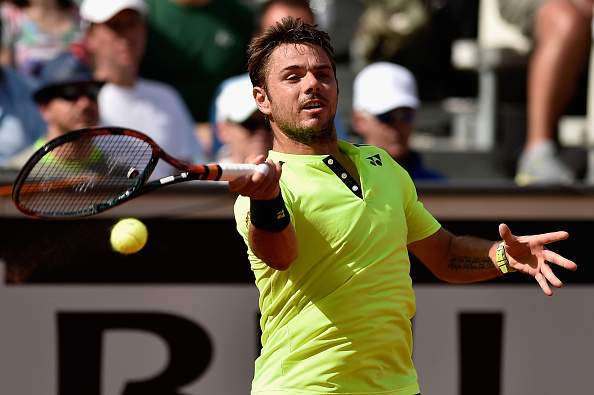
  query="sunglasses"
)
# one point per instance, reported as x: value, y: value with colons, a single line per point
x: 406, y: 115
x: 75, y: 92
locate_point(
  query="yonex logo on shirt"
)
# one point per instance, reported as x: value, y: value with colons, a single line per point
x: 375, y: 160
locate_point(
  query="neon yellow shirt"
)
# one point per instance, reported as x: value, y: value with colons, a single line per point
x: 338, y: 320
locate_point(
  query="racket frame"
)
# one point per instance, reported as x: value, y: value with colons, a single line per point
x: 141, y: 184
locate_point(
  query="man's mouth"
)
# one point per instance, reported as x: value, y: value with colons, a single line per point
x: 313, y: 105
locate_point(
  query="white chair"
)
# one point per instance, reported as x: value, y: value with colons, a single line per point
x: 499, y: 45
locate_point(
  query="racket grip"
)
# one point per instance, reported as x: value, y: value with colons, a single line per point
x: 231, y: 171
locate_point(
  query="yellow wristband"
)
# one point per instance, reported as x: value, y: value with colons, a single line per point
x: 502, y: 261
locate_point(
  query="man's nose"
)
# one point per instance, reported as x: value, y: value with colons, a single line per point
x: 312, y: 83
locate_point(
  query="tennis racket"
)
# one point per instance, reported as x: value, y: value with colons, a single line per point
x: 92, y: 170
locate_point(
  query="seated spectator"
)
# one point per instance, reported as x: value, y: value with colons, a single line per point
x: 385, y: 104
x: 20, y: 122
x: 116, y: 40
x: 273, y: 11
x: 562, y: 33
x: 241, y: 127
x: 67, y: 99
x: 194, y: 45
x: 37, y: 31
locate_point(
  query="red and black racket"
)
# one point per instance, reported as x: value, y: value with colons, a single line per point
x: 92, y: 170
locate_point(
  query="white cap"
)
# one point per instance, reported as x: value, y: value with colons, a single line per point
x: 384, y: 86
x: 100, y: 11
x: 236, y: 101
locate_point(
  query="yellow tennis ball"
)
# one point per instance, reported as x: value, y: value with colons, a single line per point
x: 128, y: 236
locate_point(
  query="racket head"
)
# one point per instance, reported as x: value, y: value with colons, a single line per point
x: 85, y: 172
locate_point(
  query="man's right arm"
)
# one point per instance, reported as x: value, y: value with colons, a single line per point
x: 277, y: 249
x: 271, y: 236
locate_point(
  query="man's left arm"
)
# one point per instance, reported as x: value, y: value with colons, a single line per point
x: 464, y: 259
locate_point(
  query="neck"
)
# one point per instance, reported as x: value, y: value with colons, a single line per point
x: 286, y: 145
x: 53, y: 131
x: 123, y: 77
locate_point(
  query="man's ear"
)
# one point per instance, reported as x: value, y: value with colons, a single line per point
x: 262, y: 100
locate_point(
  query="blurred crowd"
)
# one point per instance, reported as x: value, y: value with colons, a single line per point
x: 176, y: 71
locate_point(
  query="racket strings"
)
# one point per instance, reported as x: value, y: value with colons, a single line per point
x: 77, y: 176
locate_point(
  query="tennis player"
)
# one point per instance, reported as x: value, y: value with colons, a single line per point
x: 328, y: 240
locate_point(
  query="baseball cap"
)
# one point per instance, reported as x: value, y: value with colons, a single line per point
x: 100, y: 11
x: 66, y: 69
x: 383, y: 86
x: 236, y: 101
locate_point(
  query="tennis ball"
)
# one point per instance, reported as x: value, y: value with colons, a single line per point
x: 128, y: 236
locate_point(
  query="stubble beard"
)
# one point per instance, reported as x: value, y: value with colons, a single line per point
x: 321, y: 133
x: 310, y: 136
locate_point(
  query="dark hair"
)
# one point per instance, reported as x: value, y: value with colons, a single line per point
x: 288, y: 31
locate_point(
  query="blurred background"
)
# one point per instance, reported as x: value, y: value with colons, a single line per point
x: 78, y: 318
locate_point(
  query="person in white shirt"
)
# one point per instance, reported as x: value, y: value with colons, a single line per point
x: 116, y: 39
x: 240, y: 126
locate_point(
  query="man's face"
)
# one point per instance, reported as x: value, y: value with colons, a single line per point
x: 119, y: 41
x: 75, y: 107
x: 251, y: 137
x: 301, y: 95
x: 390, y: 131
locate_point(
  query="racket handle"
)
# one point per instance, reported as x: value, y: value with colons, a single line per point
x: 231, y: 171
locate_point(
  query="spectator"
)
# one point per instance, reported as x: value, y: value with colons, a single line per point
x: 385, y: 104
x: 67, y: 100
x: 204, y: 45
x: 116, y: 39
x: 273, y: 11
x: 562, y: 33
x: 241, y: 127
x: 20, y: 122
x: 37, y: 31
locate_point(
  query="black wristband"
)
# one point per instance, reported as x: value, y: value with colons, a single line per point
x: 269, y: 215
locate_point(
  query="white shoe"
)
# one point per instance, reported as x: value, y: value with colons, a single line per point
x: 542, y: 165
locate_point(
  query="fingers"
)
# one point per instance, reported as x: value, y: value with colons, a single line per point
x: 550, y: 276
x: 263, y: 168
x: 544, y: 275
x: 551, y: 237
x: 506, y: 234
x: 263, y: 184
x: 544, y: 285
x: 543, y: 239
x: 255, y: 159
x: 559, y: 260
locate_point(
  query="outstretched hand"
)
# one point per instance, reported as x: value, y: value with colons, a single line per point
x: 530, y: 255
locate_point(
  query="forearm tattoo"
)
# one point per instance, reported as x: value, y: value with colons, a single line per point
x: 470, y: 263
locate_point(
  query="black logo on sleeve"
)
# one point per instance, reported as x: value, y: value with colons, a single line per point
x: 375, y: 160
